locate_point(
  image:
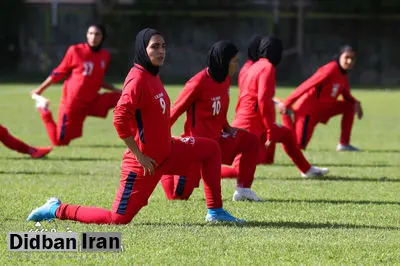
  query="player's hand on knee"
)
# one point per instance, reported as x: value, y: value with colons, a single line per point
x: 359, y: 110
x: 147, y: 163
x: 231, y: 131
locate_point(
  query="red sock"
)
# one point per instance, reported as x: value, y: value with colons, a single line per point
x: 91, y: 215
x: 51, y: 126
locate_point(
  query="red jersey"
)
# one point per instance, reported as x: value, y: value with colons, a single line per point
x: 255, y: 110
x: 243, y: 72
x: 143, y: 111
x: 321, y: 90
x: 84, y: 71
x: 206, y: 103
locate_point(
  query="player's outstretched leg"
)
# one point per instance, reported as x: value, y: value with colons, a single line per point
x: 18, y: 145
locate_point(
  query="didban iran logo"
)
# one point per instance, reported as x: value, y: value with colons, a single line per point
x: 44, y: 240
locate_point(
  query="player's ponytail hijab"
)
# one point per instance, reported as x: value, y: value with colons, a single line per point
x: 218, y: 59
x: 141, y: 56
x: 253, y: 50
x: 271, y: 48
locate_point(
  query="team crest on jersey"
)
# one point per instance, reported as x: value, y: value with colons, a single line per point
x: 335, y: 90
x: 189, y: 140
x: 103, y: 64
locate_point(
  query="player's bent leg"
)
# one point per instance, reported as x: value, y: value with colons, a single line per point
x: 285, y: 136
x: 179, y: 187
x: 207, y: 153
x: 168, y: 184
x: 185, y: 152
x: 346, y: 127
x: 103, y: 103
x: 70, y: 127
x: 304, y: 128
x: 51, y: 127
x: 245, y: 147
x: 266, y: 155
x: 132, y: 195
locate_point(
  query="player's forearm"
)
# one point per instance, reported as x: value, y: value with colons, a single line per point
x: 268, y: 114
x: 292, y: 98
x: 45, y: 84
x: 131, y: 144
x: 180, y: 106
x: 348, y: 97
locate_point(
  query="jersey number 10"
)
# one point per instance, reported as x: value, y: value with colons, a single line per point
x: 216, y: 105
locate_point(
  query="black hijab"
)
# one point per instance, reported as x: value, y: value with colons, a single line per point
x: 219, y: 56
x: 271, y: 48
x: 253, y: 50
x: 336, y: 57
x: 103, y: 32
x: 141, y: 56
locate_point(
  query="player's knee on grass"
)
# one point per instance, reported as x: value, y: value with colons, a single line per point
x: 121, y: 219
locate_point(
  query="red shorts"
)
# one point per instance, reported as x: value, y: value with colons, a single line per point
x: 70, y: 119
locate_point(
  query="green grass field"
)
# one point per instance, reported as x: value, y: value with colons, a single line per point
x: 352, y: 216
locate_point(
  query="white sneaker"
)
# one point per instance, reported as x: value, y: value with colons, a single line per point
x: 341, y: 147
x: 242, y: 194
x: 315, y: 171
x: 40, y: 101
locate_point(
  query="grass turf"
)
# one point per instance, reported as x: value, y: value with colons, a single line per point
x: 351, y: 216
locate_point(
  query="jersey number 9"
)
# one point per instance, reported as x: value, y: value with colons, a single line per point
x: 163, y: 105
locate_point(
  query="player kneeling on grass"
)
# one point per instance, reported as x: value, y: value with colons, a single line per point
x: 84, y: 66
x: 255, y: 110
x: 315, y: 101
x: 205, y: 99
x: 142, y: 120
x: 17, y: 145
